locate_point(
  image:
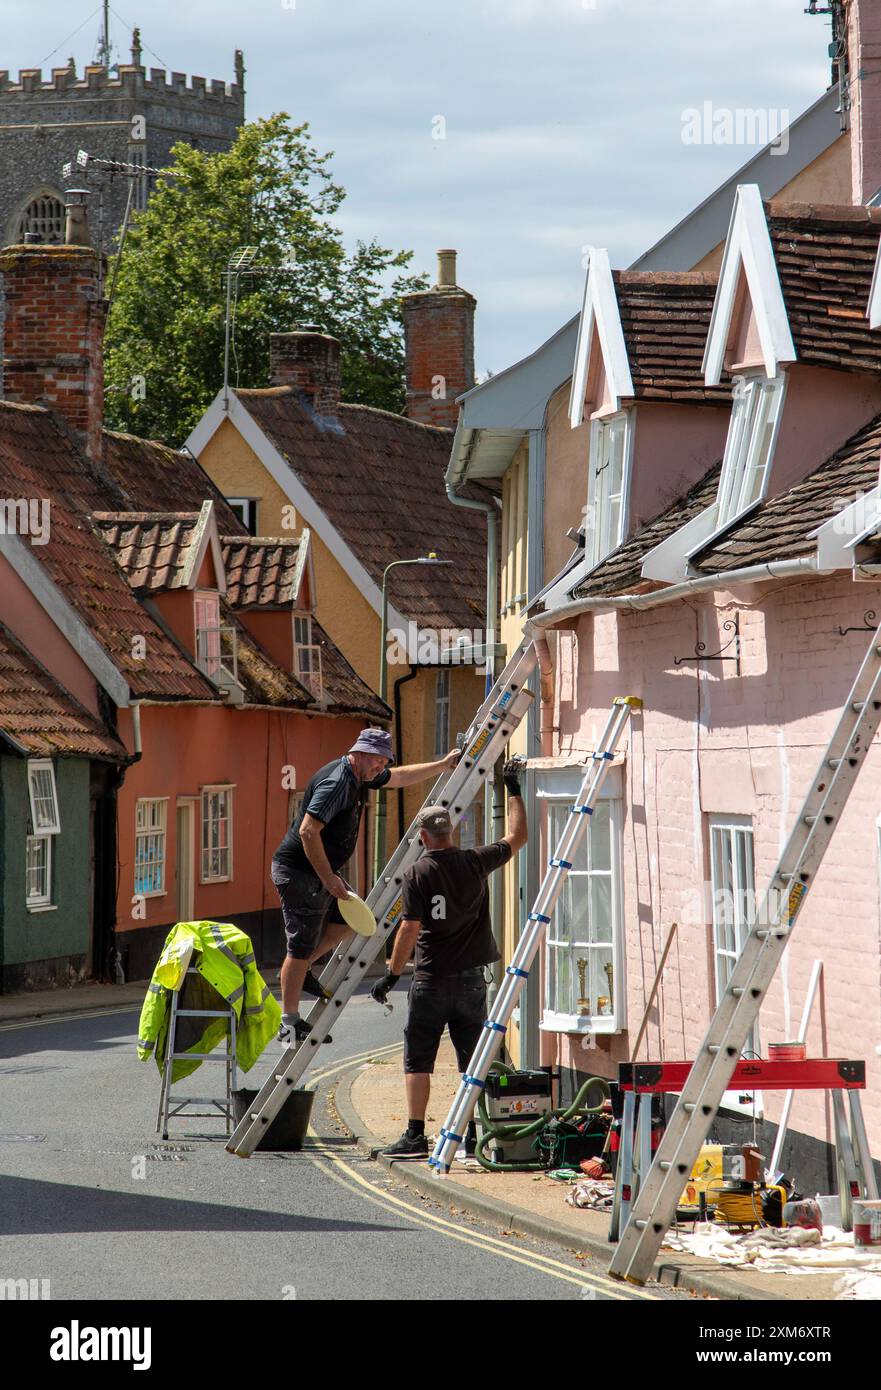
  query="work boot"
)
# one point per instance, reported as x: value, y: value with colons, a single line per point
x: 301, y: 1030
x: 312, y: 985
x: 408, y: 1146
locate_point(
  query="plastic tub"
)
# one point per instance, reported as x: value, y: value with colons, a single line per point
x: 288, y: 1130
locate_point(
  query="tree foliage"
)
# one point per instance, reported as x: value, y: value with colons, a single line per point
x: 272, y: 191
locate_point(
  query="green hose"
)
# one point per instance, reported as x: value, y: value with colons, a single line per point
x: 493, y: 1130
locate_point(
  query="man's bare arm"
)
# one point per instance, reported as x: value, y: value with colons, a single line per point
x: 310, y: 834
x: 518, y: 830
x: 404, y: 944
x: 421, y: 772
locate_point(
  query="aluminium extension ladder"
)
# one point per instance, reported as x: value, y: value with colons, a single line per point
x: 710, y: 1075
x: 474, y: 1080
x: 496, y: 720
x: 176, y: 1105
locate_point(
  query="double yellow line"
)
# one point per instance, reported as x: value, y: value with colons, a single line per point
x: 341, y: 1172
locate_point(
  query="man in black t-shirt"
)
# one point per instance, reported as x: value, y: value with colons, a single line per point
x: 446, y: 917
x: 322, y: 838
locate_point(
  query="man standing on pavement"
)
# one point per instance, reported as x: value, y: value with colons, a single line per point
x: 446, y: 918
x: 322, y: 838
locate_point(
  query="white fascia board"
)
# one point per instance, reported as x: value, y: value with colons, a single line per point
x: 304, y: 503
x: 600, y: 313
x: 206, y: 534
x: 208, y: 426
x: 838, y: 538
x: 304, y: 566
x: 748, y: 246
x: 873, y: 309
x: 65, y: 618
x: 668, y: 561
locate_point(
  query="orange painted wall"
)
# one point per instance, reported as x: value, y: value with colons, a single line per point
x: 185, y: 749
x: 274, y: 630
x: 37, y: 632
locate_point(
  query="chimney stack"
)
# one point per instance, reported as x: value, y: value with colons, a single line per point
x: 53, y: 329
x: 439, y: 346
x: 76, y: 218
x: 863, y: 19
x: 309, y: 361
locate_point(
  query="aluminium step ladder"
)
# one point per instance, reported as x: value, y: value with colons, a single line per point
x: 171, y: 1105
x: 474, y: 1080
x: 710, y: 1075
x: 496, y: 720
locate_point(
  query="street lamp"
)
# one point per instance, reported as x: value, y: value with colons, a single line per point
x: 379, y: 837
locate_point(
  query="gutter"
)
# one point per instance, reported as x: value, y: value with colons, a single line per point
x: 729, y: 579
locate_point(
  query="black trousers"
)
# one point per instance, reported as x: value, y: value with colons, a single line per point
x: 457, y: 1002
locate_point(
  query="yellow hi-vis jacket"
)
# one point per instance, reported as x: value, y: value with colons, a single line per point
x: 224, y: 958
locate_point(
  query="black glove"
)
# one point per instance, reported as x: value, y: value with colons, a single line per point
x: 381, y: 989
x: 511, y: 777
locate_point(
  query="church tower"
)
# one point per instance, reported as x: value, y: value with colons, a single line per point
x: 124, y: 113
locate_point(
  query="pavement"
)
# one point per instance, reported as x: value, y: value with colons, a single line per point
x: 94, y: 1206
x: 370, y: 1102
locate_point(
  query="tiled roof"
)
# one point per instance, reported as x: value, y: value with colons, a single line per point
x: 264, y: 682
x: 152, y: 477
x: 779, y: 529
x: 151, y: 547
x: 621, y: 571
x: 825, y: 258
x: 39, y: 460
x: 41, y: 716
x: 260, y: 572
x: 665, y: 317
x: 344, y: 689
x: 379, y: 479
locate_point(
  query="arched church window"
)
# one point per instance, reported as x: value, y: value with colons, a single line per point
x: 43, y: 219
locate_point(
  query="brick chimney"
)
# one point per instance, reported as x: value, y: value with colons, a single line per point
x: 310, y: 361
x: 439, y: 346
x: 863, y: 18
x: 53, y: 328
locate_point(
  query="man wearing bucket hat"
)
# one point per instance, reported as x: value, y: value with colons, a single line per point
x: 446, y: 918
x: 322, y: 837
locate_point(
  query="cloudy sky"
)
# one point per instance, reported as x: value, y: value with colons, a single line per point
x: 562, y: 119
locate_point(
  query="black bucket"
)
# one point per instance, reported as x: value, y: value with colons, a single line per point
x: 288, y: 1130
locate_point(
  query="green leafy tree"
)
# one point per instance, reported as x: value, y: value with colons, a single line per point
x: 272, y: 191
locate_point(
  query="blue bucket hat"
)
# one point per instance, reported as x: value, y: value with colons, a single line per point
x: 375, y: 741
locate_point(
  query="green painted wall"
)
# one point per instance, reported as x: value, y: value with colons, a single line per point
x: 37, y: 936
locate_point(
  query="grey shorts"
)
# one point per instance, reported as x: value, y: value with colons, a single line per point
x: 306, y: 909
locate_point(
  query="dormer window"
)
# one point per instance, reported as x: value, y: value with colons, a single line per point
x: 755, y: 416
x: 307, y: 654
x: 607, y: 487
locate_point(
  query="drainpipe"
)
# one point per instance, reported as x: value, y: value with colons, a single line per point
x: 546, y: 685
x: 399, y: 738
x: 494, y: 809
x: 726, y: 579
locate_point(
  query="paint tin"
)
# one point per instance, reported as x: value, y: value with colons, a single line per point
x: 786, y: 1052
x: 867, y: 1223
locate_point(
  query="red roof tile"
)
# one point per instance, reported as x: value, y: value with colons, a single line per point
x: 43, y: 718
x: 665, y: 317
x: 151, y: 548
x: 379, y: 479
x: 259, y: 571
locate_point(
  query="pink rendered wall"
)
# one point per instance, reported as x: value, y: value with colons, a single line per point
x: 711, y: 741
x: 673, y: 446
x: 822, y: 408
x: 36, y: 631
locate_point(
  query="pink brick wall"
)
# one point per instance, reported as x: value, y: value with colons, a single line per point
x: 712, y: 741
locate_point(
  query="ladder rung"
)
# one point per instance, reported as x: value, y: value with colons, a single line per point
x: 196, y: 1100
x: 203, y: 1013
x: 201, y: 1056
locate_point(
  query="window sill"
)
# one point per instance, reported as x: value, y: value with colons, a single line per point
x: 206, y: 882
x: 43, y: 907
x: 154, y: 893
x: 578, y: 1023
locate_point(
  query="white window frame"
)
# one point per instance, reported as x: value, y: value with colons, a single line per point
x: 39, y: 902
x: 157, y: 831
x: 743, y: 900
x: 559, y: 787
x: 308, y: 668
x: 205, y: 848
x: 756, y: 412
x: 52, y: 826
x: 248, y: 508
x: 442, y: 703
x: 601, y: 536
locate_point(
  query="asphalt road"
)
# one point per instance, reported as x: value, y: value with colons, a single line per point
x: 92, y: 1200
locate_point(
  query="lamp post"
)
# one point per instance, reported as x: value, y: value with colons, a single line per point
x: 379, y: 837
